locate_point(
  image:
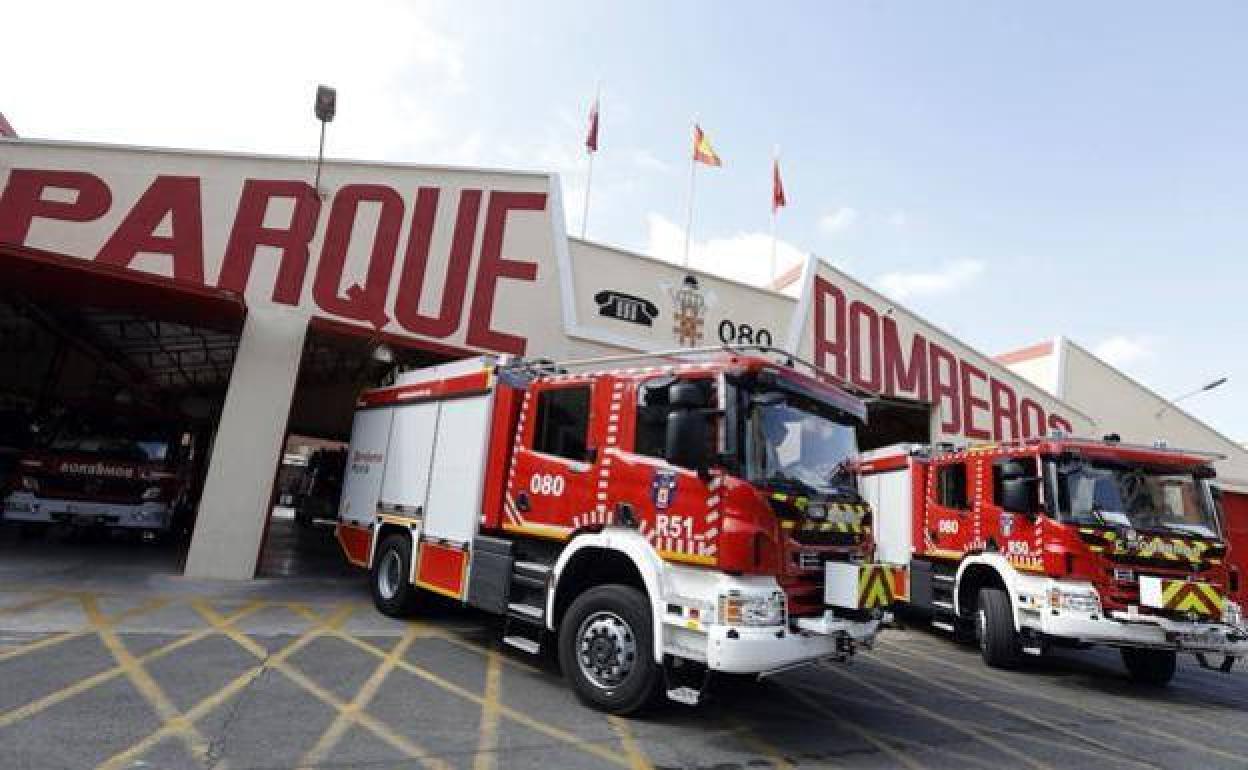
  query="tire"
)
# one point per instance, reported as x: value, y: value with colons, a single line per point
x: 614, y: 621
x: 994, y: 627
x: 32, y: 530
x: 393, y: 592
x: 1154, y: 668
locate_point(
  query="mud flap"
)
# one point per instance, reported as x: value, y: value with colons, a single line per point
x: 1228, y: 662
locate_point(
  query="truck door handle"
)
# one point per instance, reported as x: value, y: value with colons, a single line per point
x: 522, y: 502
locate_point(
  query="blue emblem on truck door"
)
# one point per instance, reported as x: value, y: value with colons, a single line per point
x: 663, y: 489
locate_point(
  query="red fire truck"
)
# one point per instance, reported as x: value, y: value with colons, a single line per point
x: 135, y: 480
x: 660, y: 523
x: 1061, y: 541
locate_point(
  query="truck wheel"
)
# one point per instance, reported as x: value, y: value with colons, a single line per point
x: 393, y: 592
x: 1150, y: 667
x: 994, y: 627
x: 606, y: 648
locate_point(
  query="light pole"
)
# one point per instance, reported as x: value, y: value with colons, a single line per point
x: 1207, y: 386
x: 326, y: 106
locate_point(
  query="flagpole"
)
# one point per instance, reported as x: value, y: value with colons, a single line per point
x: 693, y: 167
x: 589, y: 175
x: 589, y: 181
x: 775, y: 158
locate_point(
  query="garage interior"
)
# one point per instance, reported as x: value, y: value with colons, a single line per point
x: 104, y: 365
x: 338, y: 362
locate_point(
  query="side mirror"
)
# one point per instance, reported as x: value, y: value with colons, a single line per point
x: 1019, y: 495
x: 688, y: 440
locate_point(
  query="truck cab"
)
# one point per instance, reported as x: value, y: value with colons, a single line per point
x: 1065, y: 542
x: 100, y: 477
x: 710, y: 503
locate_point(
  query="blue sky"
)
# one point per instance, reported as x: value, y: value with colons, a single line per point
x: 1012, y: 171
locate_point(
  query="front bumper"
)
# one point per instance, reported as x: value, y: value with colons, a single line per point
x: 760, y: 650
x: 1127, y: 629
x: 25, y: 507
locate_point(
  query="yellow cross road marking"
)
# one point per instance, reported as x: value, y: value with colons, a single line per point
x: 206, y: 706
x: 516, y: 716
x: 1018, y: 713
x: 151, y: 605
x: 348, y: 716
x: 870, y: 736
x: 81, y: 686
x: 750, y: 738
x: 1130, y: 723
x: 487, y: 744
x: 637, y: 759
x: 34, y: 604
x: 152, y: 692
x: 1004, y: 748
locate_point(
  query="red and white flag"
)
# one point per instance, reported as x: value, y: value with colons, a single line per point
x: 778, y: 201
x: 591, y: 137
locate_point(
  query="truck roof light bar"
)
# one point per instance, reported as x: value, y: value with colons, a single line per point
x: 947, y: 447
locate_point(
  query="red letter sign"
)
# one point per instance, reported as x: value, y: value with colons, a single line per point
x: 494, y: 266
x: 23, y: 200
x: 176, y: 197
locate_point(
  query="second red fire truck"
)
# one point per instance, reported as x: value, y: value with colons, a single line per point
x: 657, y: 523
x: 1069, y: 542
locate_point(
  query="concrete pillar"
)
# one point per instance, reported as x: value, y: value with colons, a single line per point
x: 238, y: 490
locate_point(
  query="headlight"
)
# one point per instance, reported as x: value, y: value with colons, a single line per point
x: 151, y: 493
x: 1073, y: 599
x: 738, y: 610
x: 30, y: 484
x: 1232, y: 615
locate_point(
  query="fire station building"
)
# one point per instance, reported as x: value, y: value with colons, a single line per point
x: 225, y: 295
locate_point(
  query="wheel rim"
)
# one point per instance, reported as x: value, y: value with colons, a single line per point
x: 390, y: 574
x: 606, y: 649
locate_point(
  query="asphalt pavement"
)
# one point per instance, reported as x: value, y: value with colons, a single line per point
x: 104, y: 666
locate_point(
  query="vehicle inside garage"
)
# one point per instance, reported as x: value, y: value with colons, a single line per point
x: 338, y: 362
x: 110, y: 390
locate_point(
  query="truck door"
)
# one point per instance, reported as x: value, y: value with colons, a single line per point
x: 551, y: 482
x: 948, y: 526
x: 1015, y: 523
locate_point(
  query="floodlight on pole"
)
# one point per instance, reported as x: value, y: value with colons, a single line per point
x: 1207, y: 386
x: 325, y: 108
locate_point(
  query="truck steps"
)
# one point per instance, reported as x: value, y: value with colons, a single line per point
x: 528, y: 611
x: 525, y: 622
x: 524, y: 644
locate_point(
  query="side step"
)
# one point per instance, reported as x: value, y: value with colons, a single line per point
x: 524, y: 626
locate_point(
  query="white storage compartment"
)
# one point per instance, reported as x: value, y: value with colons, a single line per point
x: 406, y: 483
x: 366, y: 463
x: 889, y: 493
x: 457, y: 477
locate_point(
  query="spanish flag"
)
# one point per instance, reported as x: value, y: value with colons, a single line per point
x: 702, y: 150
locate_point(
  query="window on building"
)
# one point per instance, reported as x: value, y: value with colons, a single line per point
x: 951, y: 486
x: 563, y: 422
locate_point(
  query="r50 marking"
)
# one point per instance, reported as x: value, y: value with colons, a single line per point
x: 947, y: 526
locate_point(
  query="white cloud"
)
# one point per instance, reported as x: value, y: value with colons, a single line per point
x: 745, y: 256
x: 951, y: 276
x: 648, y: 161
x: 898, y: 219
x: 838, y: 221
x: 1123, y: 350
x: 240, y: 76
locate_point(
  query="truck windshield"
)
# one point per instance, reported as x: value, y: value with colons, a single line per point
x: 805, y: 443
x: 1101, y: 493
x: 120, y: 449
